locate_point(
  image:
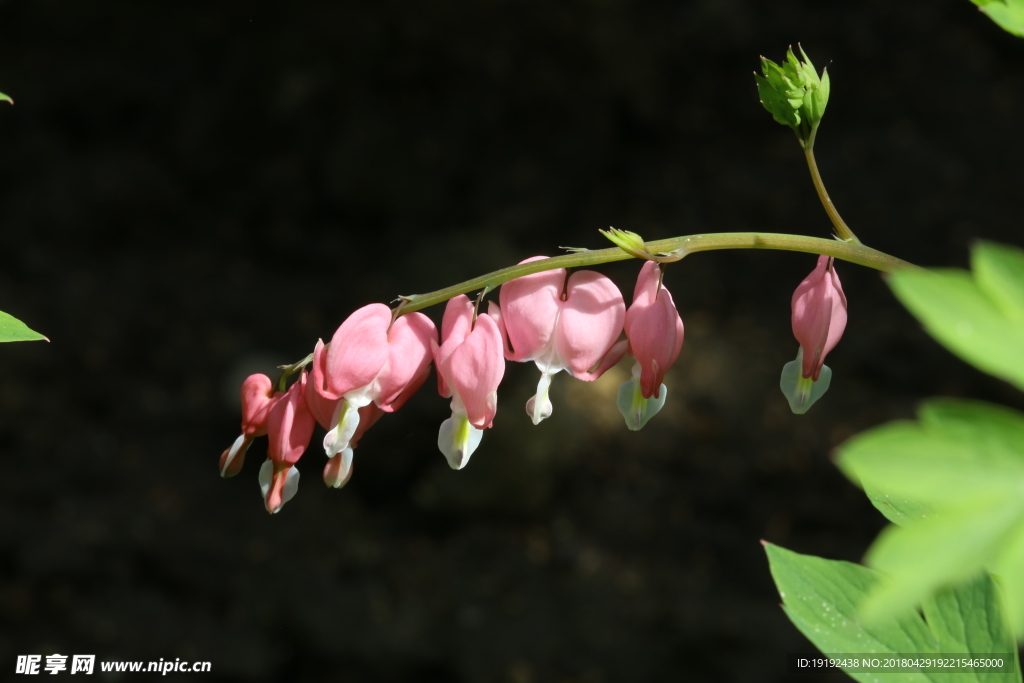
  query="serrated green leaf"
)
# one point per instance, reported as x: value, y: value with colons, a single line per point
x: 955, y: 480
x: 821, y: 598
x: 944, y: 550
x: 958, y: 313
x: 958, y: 452
x: 12, y: 329
x: 969, y: 619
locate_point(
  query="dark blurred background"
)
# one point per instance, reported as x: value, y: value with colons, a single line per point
x: 193, y: 191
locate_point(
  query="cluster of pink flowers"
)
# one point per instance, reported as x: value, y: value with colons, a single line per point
x: 375, y: 362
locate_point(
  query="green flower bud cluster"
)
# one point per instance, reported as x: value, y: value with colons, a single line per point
x: 793, y: 93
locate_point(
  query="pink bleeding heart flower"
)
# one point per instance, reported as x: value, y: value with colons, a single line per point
x: 819, y: 315
x: 560, y: 324
x: 470, y: 365
x: 257, y: 398
x: 289, y: 428
x: 819, y: 319
x: 370, y: 360
x: 655, y: 333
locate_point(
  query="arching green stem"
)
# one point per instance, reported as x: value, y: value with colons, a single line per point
x: 852, y: 251
x: 842, y: 229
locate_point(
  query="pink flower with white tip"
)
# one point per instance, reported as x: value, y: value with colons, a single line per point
x: 370, y: 360
x: 338, y: 470
x: 560, y: 324
x: 819, y: 319
x: 289, y: 428
x: 257, y: 398
x: 470, y: 365
x: 655, y: 333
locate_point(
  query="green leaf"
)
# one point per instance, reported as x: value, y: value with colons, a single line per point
x: 897, y: 509
x: 960, y: 451
x: 962, y: 315
x: 1008, y: 14
x: 821, y: 598
x: 12, y: 329
x: 954, y: 482
x: 944, y: 550
x: 970, y: 620
x: 5, y: 98
x: 999, y: 271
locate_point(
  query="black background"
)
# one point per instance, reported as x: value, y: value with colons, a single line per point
x: 193, y: 191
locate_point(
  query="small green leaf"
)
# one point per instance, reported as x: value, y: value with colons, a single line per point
x: 961, y: 315
x: 821, y: 598
x: 5, y: 98
x: 12, y: 329
x: 629, y: 242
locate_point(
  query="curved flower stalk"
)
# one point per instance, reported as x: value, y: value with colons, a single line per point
x: 370, y: 360
x: 470, y: 365
x: 289, y: 428
x: 819, y: 319
x: 258, y: 397
x: 655, y: 333
x: 560, y: 324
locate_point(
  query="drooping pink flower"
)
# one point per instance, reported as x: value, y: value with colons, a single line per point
x: 289, y: 428
x: 470, y: 365
x: 560, y: 324
x: 370, y: 360
x: 257, y: 398
x: 654, y: 329
x: 819, y: 316
x: 655, y: 333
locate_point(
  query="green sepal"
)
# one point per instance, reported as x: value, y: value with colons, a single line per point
x: 12, y: 329
x: 803, y: 392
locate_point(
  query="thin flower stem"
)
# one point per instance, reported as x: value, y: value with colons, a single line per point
x: 852, y: 251
x: 842, y: 229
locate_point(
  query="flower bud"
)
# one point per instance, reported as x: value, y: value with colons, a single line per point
x: 793, y: 93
